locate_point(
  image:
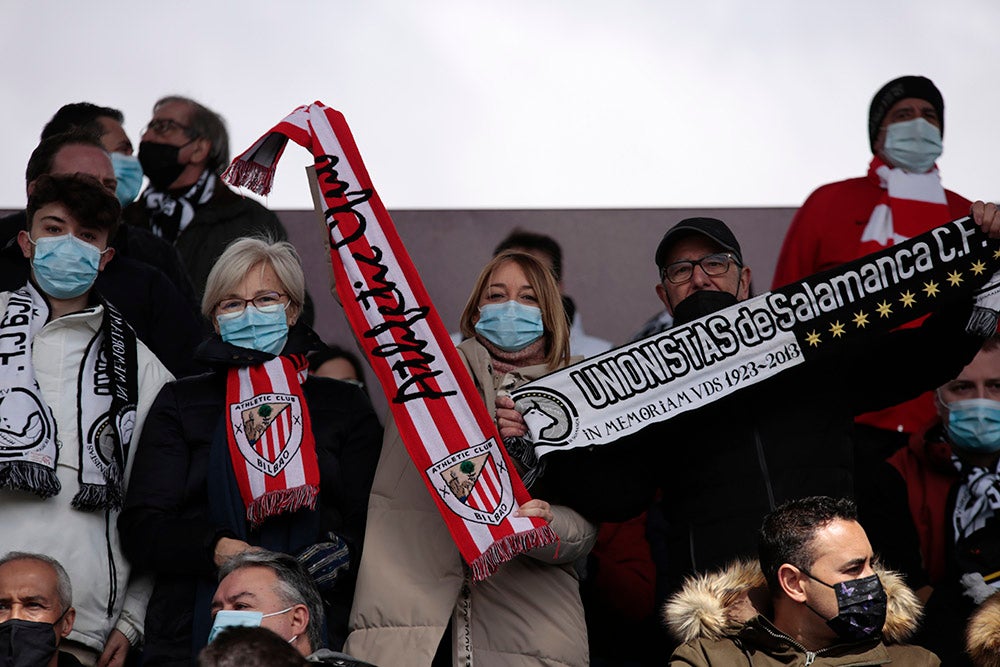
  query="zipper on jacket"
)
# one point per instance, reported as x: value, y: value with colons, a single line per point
x: 763, y: 469
x: 810, y: 658
x: 112, y: 566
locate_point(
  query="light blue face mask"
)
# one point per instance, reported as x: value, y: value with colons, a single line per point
x: 974, y: 425
x: 264, y: 329
x: 913, y: 145
x: 510, y: 325
x: 128, y: 171
x: 240, y: 618
x: 64, y: 266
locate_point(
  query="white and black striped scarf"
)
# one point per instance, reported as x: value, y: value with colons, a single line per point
x: 170, y: 213
x: 106, y: 407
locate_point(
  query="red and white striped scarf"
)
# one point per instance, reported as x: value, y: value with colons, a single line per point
x: 911, y: 204
x: 271, y: 443
x: 445, y: 426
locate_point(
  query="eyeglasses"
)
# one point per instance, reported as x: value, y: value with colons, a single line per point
x: 680, y: 272
x: 235, y: 305
x: 165, y: 126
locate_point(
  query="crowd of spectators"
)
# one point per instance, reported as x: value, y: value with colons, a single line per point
x: 190, y: 476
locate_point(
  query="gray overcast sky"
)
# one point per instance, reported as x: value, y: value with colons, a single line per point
x: 527, y: 103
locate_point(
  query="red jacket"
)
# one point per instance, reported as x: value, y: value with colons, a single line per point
x: 826, y: 232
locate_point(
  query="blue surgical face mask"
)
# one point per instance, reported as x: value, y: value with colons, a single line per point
x: 233, y: 618
x: 974, y: 425
x: 913, y: 145
x: 64, y: 266
x: 128, y: 171
x: 264, y: 329
x: 511, y: 325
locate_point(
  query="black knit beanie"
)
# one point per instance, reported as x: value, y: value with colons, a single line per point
x: 919, y: 87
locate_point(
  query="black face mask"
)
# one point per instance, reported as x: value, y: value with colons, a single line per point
x: 160, y: 164
x: 861, y: 605
x: 27, y: 643
x: 701, y: 303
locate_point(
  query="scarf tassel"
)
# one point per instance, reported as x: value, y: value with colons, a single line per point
x: 26, y: 476
x: 509, y: 547
x: 252, y: 175
x: 282, y: 500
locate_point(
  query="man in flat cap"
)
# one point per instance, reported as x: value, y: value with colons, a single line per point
x: 899, y: 198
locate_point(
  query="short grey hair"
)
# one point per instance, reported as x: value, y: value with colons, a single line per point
x: 207, y: 124
x: 295, y: 586
x: 243, y: 255
x: 63, y: 586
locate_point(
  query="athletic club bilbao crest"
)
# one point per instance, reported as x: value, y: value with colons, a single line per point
x: 268, y: 430
x: 474, y: 483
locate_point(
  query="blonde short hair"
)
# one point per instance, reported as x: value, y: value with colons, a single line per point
x: 240, y: 257
x: 550, y: 302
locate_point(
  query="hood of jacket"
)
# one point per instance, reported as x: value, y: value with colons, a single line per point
x: 982, y: 634
x: 719, y: 604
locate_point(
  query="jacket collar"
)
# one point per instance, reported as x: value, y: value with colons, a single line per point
x: 723, y: 604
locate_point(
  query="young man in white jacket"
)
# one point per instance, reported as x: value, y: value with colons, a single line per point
x: 75, y: 387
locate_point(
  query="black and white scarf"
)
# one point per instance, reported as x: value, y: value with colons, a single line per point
x: 977, y: 499
x: 107, y: 390
x: 604, y: 398
x: 170, y: 213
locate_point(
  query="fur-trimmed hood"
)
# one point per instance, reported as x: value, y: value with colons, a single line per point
x: 718, y: 604
x: 982, y: 634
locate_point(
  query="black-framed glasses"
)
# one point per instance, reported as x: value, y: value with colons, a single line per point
x: 715, y: 264
x: 235, y: 305
x: 165, y: 126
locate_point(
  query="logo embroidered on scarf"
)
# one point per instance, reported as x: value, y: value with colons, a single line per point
x: 22, y: 422
x: 473, y: 483
x: 268, y: 430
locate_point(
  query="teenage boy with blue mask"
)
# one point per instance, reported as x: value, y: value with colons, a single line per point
x: 75, y: 387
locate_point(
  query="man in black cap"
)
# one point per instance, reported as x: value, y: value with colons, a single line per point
x: 721, y: 468
x: 899, y: 198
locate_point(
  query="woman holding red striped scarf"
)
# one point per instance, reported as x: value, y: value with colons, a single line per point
x: 415, y: 602
x: 255, y: 454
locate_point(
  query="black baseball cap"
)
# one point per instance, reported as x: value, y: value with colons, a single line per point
x: 714, y: 229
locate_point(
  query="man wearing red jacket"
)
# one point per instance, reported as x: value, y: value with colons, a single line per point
x: 899, y: 198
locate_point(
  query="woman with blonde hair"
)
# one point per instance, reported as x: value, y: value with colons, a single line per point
x: 415, y: 602
x: 255, y: 454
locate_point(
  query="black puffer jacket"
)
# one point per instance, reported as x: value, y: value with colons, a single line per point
x: 167, y: 527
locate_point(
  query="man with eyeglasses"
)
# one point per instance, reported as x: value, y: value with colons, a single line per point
x: 721, y: 468
x: 900, y: 197
x: 183, y: 150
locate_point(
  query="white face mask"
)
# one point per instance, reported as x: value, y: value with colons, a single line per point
x: 231, y: 618
x: 913, y: 145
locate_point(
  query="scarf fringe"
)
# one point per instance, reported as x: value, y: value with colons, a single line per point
x: 97, y: 497
x: 282, y: 500
x: 26, y: 476
x: 509, y: 547
x: 251, y: 175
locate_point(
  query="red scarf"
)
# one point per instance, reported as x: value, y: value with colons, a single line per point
x: 441, y: 417
x: 911, y: 204
x: 270, y: 438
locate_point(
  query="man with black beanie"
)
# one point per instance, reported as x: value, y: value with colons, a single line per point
x: 899, y: 198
